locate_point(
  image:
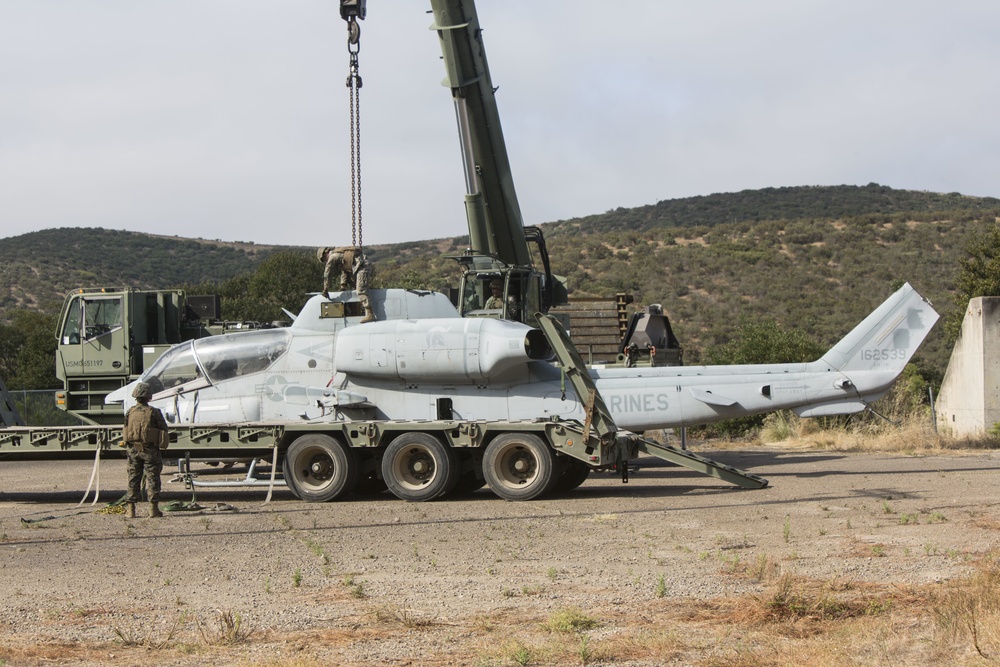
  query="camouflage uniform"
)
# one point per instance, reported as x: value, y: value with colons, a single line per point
x: 352, y: 267
x: 496, y: 302
x: 143, y: 457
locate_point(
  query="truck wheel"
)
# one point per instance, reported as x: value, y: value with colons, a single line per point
x: 519, y: 466
x: 574, y: 474
x: 319, y: 468
x: 418, y: 467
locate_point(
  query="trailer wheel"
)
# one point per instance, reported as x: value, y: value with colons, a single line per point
x: 419, y: 467
x: 573, y: 475
x: 319, y: 468
x: 519, y: 466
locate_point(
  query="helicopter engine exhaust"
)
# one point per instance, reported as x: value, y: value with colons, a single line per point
x: 439, y: 350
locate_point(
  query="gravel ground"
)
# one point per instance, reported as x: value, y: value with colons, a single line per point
x: 379, y: 581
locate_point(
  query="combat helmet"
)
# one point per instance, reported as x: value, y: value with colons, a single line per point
x: 322, y: 251
x: 142, y: 390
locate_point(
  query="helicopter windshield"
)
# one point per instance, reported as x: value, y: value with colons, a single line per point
x: 233, y: 355
x: 175, y: 368
x: 216, y: 358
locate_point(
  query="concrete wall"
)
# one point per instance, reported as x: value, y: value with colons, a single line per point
x: 969, y: 401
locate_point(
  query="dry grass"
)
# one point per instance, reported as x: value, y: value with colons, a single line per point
x: 146, y: 634
x: 986, y: 523
x: 795, y: 620
x: 228, y: 628
x: 570, y: 619
x: 967, y: 611
x: 401, y: 617
x: 913, y: 435
x: 792, y: 620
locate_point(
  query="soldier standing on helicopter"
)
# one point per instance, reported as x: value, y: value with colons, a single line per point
x: 352, y: 265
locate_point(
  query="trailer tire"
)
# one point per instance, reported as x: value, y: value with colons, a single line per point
x: 573, y: 475
x: 519, y: 466
x: 418, y: 467
x: 319, y: 468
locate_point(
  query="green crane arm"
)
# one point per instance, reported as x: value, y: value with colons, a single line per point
x: 495, y: 224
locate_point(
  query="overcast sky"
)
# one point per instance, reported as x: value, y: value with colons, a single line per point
x: 228, y: 118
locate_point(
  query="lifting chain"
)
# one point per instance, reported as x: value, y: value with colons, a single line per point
x: 354, y: 84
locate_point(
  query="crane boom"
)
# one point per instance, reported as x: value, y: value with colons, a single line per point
x: 495, y: 224
x: 499, y: 243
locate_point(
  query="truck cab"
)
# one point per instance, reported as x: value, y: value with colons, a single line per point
x: 106, y: 337
x: 492, y: 289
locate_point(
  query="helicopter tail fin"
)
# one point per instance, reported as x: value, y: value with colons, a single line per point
x: 886, y: 339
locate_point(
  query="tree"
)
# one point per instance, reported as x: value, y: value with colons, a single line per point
x: 283, y: 280
x: 759, y: 342
x: 765, y: 342
x: 978, y: 275
x: 28, y: 351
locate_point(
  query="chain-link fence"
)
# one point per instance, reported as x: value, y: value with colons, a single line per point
x: 38, y: 408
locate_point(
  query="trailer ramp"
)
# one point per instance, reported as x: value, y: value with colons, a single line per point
x: 598, y: 417
x: 701, y: 464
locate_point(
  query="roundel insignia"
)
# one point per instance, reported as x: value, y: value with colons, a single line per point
x: 274, y: 387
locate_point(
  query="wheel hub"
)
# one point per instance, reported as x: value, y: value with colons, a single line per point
x: 319, y: 468
x: 419, y: 467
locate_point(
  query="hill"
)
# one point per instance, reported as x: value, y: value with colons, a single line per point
x: 38, y: 269
x: 790, y: 203
x: 816, y: 258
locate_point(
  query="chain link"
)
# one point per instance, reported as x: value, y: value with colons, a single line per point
x: 354, y: 84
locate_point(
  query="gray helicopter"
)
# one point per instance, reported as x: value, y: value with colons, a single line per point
x: 422, y: 361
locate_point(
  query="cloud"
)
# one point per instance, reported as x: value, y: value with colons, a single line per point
x: 228, y: 119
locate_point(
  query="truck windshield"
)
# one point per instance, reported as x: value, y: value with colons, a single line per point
x: 100, y: 315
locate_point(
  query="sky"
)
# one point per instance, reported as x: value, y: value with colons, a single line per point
x: 228, y: 119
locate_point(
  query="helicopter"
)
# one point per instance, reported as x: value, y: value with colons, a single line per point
x: 421, y: 360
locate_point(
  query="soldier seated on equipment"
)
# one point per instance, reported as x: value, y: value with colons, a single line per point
x: 495, y: 302
x: 352, y: 266
x: 145, y: 434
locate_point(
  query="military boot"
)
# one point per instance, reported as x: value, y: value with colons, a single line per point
x: 369, y: 316
x: 154, y: 509
x: 130, y: 510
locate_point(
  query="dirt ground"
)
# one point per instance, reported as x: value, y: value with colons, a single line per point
x: 472, y: 580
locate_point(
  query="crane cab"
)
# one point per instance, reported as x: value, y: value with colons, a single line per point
x: 501, y: 292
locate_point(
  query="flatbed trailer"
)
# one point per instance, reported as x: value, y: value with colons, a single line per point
x: 325, y: 460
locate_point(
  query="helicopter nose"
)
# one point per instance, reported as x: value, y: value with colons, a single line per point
x: 120, y: 395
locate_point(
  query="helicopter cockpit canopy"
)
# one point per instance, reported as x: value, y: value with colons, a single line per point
x: 206, y: 361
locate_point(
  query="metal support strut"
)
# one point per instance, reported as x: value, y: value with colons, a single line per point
x: 599, y: 418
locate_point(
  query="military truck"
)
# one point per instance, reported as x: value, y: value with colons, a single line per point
x: 107, y: 336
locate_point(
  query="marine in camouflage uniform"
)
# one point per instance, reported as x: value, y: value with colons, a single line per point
x: 496, y: 302
x: 143, y: 457
x: 352, y: 267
